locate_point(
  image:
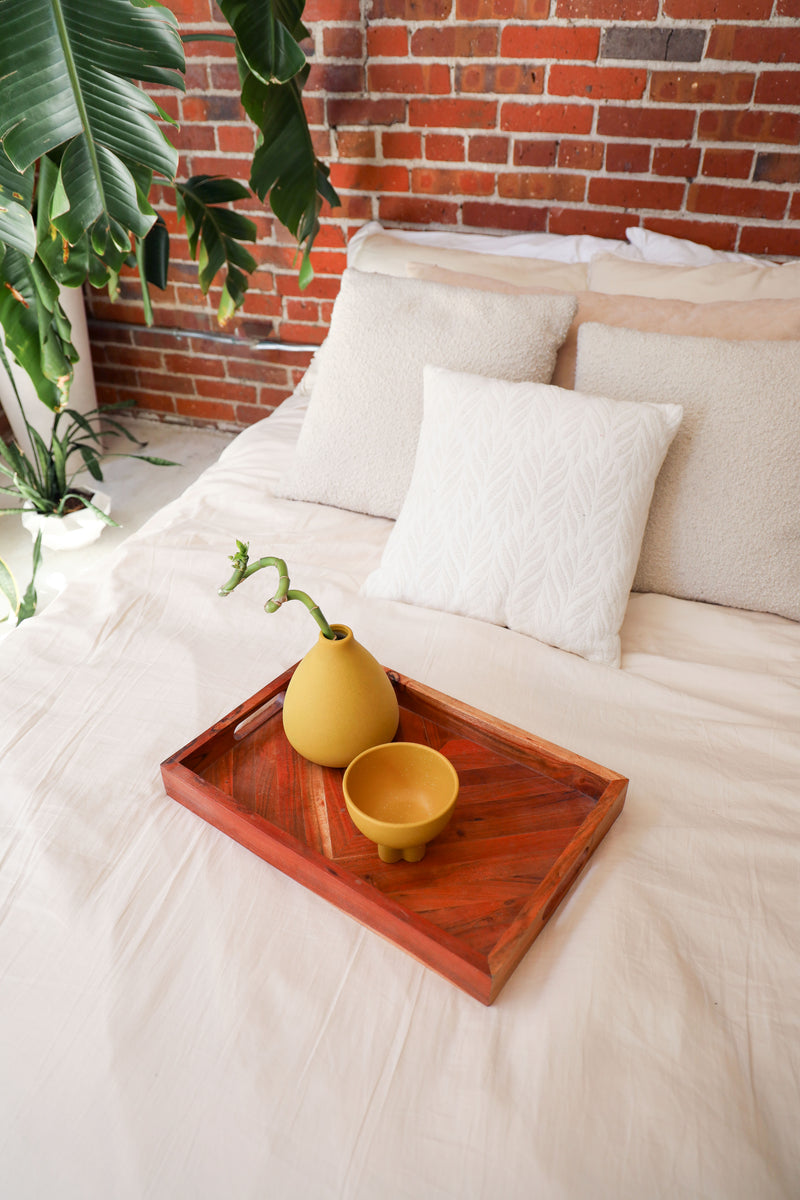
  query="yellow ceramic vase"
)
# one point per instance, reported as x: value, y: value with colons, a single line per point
x: 339, y: 702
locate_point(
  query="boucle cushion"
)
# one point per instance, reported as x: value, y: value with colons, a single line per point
x: 390, y: 255
x: 526, y: 508
x: 359, y: 437
x: 756, y: 320
x: 724, y: 524
x: 613, y: 274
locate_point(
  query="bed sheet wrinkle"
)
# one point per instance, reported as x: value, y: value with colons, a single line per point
x: 376, y: 1109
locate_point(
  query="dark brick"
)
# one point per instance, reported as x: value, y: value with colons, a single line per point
x: 653, y: 44
x: 777, y: 168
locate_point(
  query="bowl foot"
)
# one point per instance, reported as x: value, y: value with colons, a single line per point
x: 389, y: 854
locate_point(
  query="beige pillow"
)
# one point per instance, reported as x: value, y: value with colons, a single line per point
x: 359, y: 437
x: 760, y: 320
x: 724, y: 523
x: 718, y: 281
x: 390, y: 256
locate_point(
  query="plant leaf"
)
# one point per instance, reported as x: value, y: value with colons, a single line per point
x: 216, y: 234
x: 90, y: 462
x: 267, y: 33
x: 67, y: 72
x: 8, y: 586
x: 97, y: 192
x: 16, y: 196
x: 27, y: 606
x: 285, y: 167
x: 67, y: 68
x: 92, y: 508
x: 156, y: 254
x: 31, y: 329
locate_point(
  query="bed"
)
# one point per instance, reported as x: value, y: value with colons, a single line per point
x: 180, y: 1019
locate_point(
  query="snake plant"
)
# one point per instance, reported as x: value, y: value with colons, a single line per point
x: 20, y: 606
x: 43, y: 479
x: 81, y: 151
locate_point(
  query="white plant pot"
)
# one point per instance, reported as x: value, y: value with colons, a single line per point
x: 82, y: 396
x: 72, y: 531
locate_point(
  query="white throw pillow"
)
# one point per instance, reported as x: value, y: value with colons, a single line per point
x: 526, y: 508
x: 359, y: 437
x: 724, y: 524
x: 680, y: 252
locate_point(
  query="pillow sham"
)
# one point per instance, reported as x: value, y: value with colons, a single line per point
x: 680, y: 252
x: 719, y: 281
x: 724, y: 523
x: 359, y: 437
x: 389, y: 255
x: 756, y: 320
x: 373, y: 239
x: 526, y: 508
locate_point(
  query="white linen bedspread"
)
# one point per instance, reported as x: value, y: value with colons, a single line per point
x: 180, y: 1020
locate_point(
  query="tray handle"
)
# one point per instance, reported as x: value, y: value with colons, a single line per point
x: 254, y: 720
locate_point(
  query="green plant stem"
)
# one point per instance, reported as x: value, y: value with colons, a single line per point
x: 207, y: 37
x: 140, y: 265
x: 243, y: 569
x: 28, y: 429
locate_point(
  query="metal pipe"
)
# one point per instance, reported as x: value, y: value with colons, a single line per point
x: 228, y: 339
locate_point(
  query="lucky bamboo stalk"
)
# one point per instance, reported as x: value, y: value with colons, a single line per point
x: 243, y: 569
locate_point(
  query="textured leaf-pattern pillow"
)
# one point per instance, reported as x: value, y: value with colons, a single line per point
x: 526, y: 508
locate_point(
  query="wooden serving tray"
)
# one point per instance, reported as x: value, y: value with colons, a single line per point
x: 527, y: 819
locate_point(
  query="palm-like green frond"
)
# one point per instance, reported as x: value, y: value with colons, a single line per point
x: 16, y: 197
x: 267, y: 35
x: 216, y: 235
x: 73, y: 119
x: 285, y: 167
x: 36, y: 330
x: 68, y: 69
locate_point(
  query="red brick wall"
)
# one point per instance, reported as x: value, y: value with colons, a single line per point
x: 555, y: 115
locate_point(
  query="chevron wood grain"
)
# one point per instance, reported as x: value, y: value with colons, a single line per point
x: 528, y: 817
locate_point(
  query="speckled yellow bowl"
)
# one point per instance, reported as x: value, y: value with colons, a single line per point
x: 400, y: 795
